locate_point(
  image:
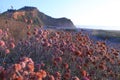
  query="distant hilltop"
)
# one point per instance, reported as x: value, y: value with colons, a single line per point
x: 38, y: 18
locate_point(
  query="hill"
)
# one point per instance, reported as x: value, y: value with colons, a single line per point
x: 34, y: 16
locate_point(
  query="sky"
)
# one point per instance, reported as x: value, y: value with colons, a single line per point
x: 96, y: 14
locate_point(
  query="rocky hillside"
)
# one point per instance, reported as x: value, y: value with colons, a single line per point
x: 34, y: 16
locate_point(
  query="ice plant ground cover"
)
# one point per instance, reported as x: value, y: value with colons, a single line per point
x: 47, y: 54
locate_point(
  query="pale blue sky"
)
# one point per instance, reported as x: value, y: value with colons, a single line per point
x: 81, y: 12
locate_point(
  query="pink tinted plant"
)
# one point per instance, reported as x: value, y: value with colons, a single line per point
x: 2, y: 43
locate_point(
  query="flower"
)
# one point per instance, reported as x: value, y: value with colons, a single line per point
x: 2, y: 43
x: 41, y: 74
x: 30, y: 67
x: 28, y: 26
x: 23, y: 64
x: 75, y: 78
x: 31, y: 21
x: 51, y: 77
x: 58, y: 59
x: 7, y: 51
x: 85, y: 78
x: 1, y: 31
x: 65, y: 65
x: 17, y: 67
x: 77, y: 53
x: 84, y: 73
x: 25, y: 20
x: 12, y: 45
x: 57, y: 74
x: 67, y: 76
x: 28, y: 33
x: 42, y: 64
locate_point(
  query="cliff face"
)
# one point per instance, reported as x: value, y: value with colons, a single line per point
x: 37, y: 17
